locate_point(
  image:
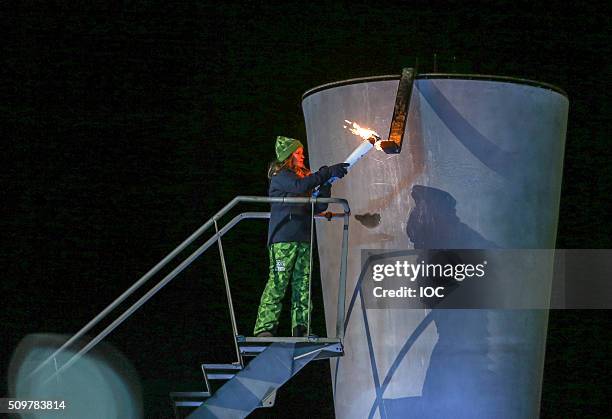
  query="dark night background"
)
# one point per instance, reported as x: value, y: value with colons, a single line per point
x: 126, y: 125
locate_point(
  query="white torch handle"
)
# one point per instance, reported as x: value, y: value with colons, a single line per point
x: 353, y: 158
x: 358, y: 153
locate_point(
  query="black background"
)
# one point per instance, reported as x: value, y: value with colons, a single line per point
x: 128, y: 124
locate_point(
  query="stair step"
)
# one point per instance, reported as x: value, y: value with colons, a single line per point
x: 188, y: 399
x: 286, y: 339
x: 219, y: 376
x: 189, y: 394
x: 264, y: 376
x: 231, y: 367
x: 180, y: 395
x: 221, y: 371
x: 189, y: 404
x: 252, y: 350
x: 332, y: 348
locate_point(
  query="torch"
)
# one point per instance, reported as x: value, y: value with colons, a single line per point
x: 370, y: 139
x: 393, y: 144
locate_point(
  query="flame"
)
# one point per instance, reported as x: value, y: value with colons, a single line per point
x: 360, y: 131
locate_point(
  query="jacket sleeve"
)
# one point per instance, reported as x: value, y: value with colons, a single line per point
x: 288, y: 182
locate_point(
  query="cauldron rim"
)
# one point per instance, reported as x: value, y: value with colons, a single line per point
x: 425, y: 76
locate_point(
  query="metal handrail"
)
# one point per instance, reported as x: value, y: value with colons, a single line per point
x: 229, y: 296
x: 218, y: 234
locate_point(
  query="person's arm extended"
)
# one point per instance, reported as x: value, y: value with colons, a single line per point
x: 289, y: 182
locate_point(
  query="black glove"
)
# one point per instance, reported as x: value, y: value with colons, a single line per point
x: 325, y: 190
x: 338, y: 170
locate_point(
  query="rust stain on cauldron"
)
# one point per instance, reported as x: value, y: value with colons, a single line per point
x: 368, y: 220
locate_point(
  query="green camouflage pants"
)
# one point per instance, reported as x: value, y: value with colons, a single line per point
x: 288, y: 262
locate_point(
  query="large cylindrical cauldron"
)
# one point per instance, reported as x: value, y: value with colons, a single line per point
x: 480, y: 168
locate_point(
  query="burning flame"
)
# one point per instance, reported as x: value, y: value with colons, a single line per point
x: 363, y: 132
x: 356, y: 129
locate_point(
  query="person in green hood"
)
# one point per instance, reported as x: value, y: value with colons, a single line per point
x: 289, y: 236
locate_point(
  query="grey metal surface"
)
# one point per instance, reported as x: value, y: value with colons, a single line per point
x: 480, y: 167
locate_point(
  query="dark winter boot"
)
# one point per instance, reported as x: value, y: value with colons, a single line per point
x: 299, y: 331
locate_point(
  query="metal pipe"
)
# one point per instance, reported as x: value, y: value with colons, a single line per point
x: 149, y: 294
x: 310, y: 267
x: 229, y: 295
x: 342, y: 280
x: 304, y: 200
x: 133, y: 288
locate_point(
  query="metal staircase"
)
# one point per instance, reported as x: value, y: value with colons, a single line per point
x: 254, y: 385
x: 273, y: 360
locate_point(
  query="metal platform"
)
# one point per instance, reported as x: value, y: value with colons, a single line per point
x: 331, y: 347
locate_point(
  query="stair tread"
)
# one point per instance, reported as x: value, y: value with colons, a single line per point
x: 197, y: 403
x: 233, y: 367
x: 242, y: 340
x: 220, y: 376
x: 189, y: 394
